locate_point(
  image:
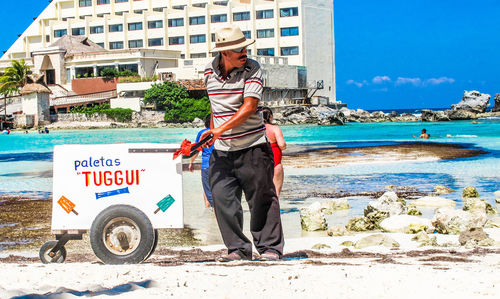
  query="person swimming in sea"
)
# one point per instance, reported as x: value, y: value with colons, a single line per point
x: 423, y: 135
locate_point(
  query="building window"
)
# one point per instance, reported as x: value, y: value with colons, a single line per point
x: 176, y: 22
x: 116, y: 28
x: 286, y: 51
x: 115, y: 45
x: 265, y: 33
x: 241, y: 16
x: 265, y: 52
x: 198, y: 55
x: 120, y: 1
x: 152, y: 42
x: 96, y: 29
x: 84, y: 3
x: 212, y: 37
x: 289, y: 12
x: 139, y: 11
x: 130, y: 67
x: 60, y: 32
x: 179, y: 7
x: 265, y: 14
x: 218, y: 18
x: 135, y: 43
x: 134, y: 26
x: 99, y: 2
x: 176, y: 40
x: 100, y: 44
x: 119, y: 13
x: 247, y: 34
x: 199, y: 5
x: 158, y: 9
x: 47, y: 38
x: 289, y: 31
x: 78, y: 31
x: 196, y: 39
x: 197, y: 20
x: 249, y: 52
x: 155, y: 24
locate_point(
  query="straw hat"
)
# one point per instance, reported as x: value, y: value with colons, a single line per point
x: 230, y: 38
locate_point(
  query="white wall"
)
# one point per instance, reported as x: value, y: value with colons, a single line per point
x: 127, y: 103
x: 319, y: 44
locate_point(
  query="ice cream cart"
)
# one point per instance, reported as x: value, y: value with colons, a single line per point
x: 120, y: 193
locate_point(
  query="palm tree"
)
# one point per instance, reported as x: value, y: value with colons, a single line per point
x: 12, y: 80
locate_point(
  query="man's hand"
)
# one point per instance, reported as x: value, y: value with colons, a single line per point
x: 217, y: 132
x: 191, y: 167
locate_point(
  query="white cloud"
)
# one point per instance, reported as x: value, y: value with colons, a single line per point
x: 413, y: 81
x: 358, y: 84
x: 418, y: 82
x: 440, y: 80
x: 381, y: 79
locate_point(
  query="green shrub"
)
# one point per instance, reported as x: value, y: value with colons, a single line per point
x: 186, y: 110
x: 117, y: 114
x: 109, y: 72
x: 127, y: 73
x: 165, y: 95
x: 136, y: 79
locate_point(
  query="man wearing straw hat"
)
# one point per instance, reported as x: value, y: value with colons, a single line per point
x: 242, y: 159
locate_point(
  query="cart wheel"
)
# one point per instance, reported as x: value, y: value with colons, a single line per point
x: 154, y: 245
x: 59, y: 257
x: 122, y: 234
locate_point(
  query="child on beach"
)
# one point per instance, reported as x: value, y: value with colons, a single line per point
x: 278, y: 144
x: 205, y: 157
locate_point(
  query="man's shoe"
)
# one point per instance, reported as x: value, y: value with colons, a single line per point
x: 269, y: 256
x: 233, y: 256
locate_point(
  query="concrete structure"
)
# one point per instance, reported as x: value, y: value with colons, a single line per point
x: 134, y: 32
x: 35, y: 103
x: 130, y: 95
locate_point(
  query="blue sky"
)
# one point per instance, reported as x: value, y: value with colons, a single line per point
x: 415, y: 54
x: 389, y: 54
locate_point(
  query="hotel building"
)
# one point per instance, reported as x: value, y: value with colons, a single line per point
x: 176, y: 36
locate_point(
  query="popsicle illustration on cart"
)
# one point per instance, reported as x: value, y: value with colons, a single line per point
x: 67, y: 205
x: 165, y: 203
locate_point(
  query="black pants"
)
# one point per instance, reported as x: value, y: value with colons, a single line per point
x: 251, y: 171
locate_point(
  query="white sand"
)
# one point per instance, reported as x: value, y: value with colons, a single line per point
x: 403, y: 276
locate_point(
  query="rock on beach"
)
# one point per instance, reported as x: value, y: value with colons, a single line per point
x: 433, y: 201
x: 450, y: 221
x: 312, y: 218
x: 405, y: 224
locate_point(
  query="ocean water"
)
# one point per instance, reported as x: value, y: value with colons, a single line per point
x: 26, y: 164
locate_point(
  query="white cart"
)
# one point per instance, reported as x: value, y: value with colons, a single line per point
x: 122, y: 193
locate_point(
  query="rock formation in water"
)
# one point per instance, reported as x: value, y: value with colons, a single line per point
x: 496, y: 108
x: 473, y: 101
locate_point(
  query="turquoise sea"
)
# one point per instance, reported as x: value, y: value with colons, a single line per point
x: 26, y: 159
x: 26, y: 163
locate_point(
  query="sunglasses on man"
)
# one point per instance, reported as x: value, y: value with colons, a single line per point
x: 238, y: 50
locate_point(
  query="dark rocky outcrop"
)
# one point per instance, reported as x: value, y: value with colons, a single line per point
x: 430, y: 115
x: 496, y: 108
x: 460, y: 114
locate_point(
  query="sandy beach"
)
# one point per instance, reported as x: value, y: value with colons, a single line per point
x: 336, y: 272
x: 314, y: 265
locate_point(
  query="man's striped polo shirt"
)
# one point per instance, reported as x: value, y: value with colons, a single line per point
x: 226, y: 97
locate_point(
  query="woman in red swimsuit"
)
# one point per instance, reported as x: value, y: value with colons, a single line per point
x: 275, y: 137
